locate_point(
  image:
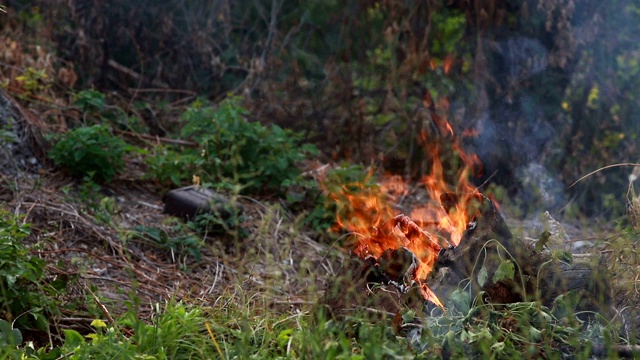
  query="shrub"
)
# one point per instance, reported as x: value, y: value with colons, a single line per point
x: 90, y: 152
x: 20, y: 275
x: 233, y: 151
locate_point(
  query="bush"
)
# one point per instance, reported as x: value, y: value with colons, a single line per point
x: 90, y: 152
x: 233, y: 151
x: 20, y: 275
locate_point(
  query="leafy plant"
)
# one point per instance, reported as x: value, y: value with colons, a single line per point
x: 168, y: 165
x: 519, y: 330
x: 226, y: 219
x: 90, y: 100
x: 21, y: 300
x: 184, y: 245
x: 90, y: 152
x: 233, y: 151
x: 177, y: 332
x: 10, y: 338
x: 33, y: 81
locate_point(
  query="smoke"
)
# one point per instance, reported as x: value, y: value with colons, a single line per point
x: 514, y: 133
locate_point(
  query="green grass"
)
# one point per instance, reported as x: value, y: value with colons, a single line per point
x: 243, y: 326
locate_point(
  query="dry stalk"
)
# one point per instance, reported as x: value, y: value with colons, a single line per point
x: 633, y: 207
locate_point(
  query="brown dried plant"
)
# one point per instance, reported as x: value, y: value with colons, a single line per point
x: 633, y: 207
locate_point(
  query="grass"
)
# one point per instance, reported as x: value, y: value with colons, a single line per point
x: 256, y: 296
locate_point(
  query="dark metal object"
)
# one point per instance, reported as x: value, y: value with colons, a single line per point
x: 187, y: 202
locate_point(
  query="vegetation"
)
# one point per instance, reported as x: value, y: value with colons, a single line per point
x: 90, y: 153
x: 232, y: 151
x: 293, y: 109
x: 22, y: 303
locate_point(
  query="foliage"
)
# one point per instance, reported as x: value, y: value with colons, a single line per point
x: 96, y: 108
x: 354, y: 338
x: 183, y: 245
x: 90, y: 101
x: 33, y: 81
x: 177, y: 332
x: 168, y: 165
x: 233, y: 151
x: 355, y: 75
x: 519, y: 330
x: 623, y: 259
x: 245, y: 328
x: 21, y: 300
x: 226, y: 219
x: 90, y: 152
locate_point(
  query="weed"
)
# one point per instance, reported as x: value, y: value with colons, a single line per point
x: 33, y: 81
x: 168, y: 165
x: 233, y: 151
x: 90, y: 101
x: 90, y: 152
x: 21, y: 300
x: 182, y: 245
x: 224, y: 219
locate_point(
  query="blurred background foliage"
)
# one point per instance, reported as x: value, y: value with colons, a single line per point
x: 544, y: 91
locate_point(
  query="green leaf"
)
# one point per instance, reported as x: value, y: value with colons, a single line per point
x: 8, y: 335
x: 408, y: 316
x: 72, y: 338
x: 498, y: 347
x: 562, y: 255
x: 283, y: 337
x: 460, y: 300
x: 534, y: 334
x: 506, y: 270
x: 97, y: 323
x: 482, y: 276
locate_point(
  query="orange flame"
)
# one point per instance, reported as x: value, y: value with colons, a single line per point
x: 369, y: 213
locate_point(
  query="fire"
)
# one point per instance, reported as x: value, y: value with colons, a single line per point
x: 369, y: 213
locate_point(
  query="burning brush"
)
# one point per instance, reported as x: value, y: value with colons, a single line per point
x: 404, y: 253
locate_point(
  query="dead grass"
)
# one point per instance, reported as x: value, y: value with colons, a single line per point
x: 276, y: 262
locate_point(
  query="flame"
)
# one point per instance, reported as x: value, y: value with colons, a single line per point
x: 369, y: 213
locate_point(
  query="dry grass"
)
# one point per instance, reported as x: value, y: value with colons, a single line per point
x: 633, y: 207
x: 276, y: 262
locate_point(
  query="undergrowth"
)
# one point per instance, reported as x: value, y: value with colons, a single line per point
x: 233, y: 153
x: 21, y: 280
x: 241, y: 325
x: 90, y: 153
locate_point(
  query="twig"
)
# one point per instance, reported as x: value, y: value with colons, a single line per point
x: 134, y: 74
x: 124, y: 283
x: 375, y: 311
x: 213, y: 338
x: 141, y: 79
x: 101, y: 306
x: 602, y: 168
x: 152, y: 90
x: 158, y: 139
